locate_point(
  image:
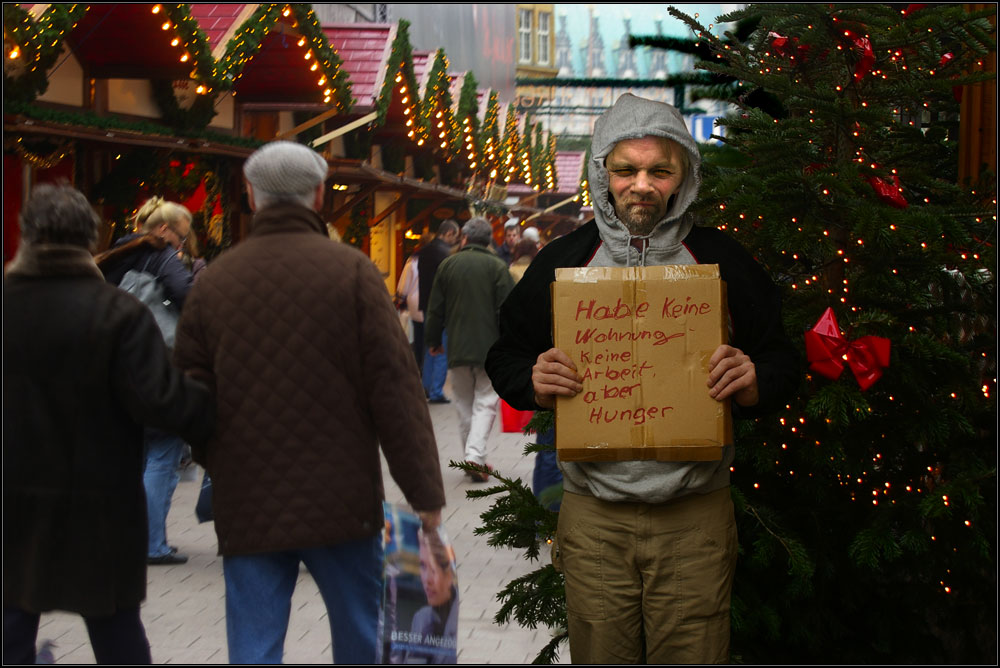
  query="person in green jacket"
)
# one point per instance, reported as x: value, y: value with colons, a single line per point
x: 467, y: 292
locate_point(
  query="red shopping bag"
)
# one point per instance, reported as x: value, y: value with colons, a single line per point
x: 512, y: 419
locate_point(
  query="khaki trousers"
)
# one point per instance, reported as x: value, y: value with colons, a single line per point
x: 658, y: 576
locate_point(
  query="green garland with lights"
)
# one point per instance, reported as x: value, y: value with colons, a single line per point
x: 140, y: 173
x: 510, y: 148
x: 39, y: 44
x: 358, y: 228
x: 439, y: 123
x: 400, y: 63
x: 196, y: 44
x: 248, y: 39
x: 196, y: 117
x: 584, y: 178
x: 399, y: 70
x: 551, y: 170
x: 89, y: 119
x: 468, y: 116
x: 437, y: 99
x: 489, y: 138
x: 205, y: 73
x: 214, y: 233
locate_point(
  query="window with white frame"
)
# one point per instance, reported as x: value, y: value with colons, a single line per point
x: 524, y: 21
x: 544, y: 19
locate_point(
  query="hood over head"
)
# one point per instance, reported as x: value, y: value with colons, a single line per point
x: 633, y: 117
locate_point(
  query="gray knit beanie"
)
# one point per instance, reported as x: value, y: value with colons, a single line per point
x: 285, y: 168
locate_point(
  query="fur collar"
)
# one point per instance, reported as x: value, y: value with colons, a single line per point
x: 38, y: 260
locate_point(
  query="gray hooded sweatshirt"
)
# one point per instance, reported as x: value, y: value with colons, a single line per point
x: 633, y: 117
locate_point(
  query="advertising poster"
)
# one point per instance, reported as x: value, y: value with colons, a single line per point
x: 419, y: 619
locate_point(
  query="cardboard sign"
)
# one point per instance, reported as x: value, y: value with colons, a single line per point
x: 641, y: 337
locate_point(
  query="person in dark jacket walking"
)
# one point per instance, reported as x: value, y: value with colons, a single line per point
x: 429, y: 258
x: 468, y: 290
x: 84, y: 369
x: 313, y: 375
x: 164, y: 227
x: 664, y: 594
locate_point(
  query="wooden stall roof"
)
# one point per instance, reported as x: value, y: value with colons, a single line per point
x: 422, y: 62
x: 569, y: 171
x: 219, y: 22
x: 29, y: 126
x: 364, y: 50
x: 127, y: 40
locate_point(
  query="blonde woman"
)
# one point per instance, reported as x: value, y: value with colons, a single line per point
x: 163, y: 229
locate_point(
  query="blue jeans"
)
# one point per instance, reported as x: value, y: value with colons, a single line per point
x: 436, y: 370
x: 163, y: 456
x: 259, y: 591
x: 546, y: 473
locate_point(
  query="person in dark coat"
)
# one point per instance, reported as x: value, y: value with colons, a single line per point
x: 313, y: 378
x: 163, y: 231
x: 84, y: 369
x: 434, y: 368
x: 468, y: 290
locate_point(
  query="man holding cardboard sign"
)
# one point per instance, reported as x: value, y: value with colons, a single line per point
x: 643, y: 351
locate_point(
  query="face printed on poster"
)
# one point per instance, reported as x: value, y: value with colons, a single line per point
x: 419, y: 619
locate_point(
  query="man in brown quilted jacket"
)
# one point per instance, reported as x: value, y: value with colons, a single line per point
x: 312, y: 373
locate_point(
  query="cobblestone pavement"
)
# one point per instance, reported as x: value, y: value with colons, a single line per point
x: 184, y: 612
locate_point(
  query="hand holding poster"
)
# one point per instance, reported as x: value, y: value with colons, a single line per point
x: 419, y: 618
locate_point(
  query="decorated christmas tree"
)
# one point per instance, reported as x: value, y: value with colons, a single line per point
x: 866, y: 508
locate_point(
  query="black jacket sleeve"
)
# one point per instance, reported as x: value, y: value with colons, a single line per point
x: 525, y: 317
x: 154, y: 392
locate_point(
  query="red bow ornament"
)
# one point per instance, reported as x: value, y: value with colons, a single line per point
x: 867, y: 57
x: 828, y: 351
x: 890, y: 192
x: 788, y: 47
